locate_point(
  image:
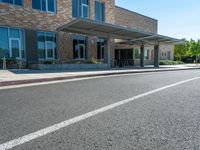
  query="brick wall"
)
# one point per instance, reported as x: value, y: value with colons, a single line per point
x: 134, y: 20
x: 164, y: 48
x: 27, y: 18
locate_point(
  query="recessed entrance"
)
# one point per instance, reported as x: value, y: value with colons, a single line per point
x: 124, y: 57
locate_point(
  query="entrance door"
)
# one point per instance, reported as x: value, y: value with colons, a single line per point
x: 50, y: 50
x: 15, y: 48
x: 168, y: 55
x: 81, y: 48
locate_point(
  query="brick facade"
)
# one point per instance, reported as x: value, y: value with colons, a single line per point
x: 166, y: 52
x: 27, y: 18
x: 134, y: 20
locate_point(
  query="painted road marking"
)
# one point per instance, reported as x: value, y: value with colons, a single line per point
x: 58, y: 126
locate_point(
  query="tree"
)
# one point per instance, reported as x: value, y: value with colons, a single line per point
x: 180, y: 51
x: 194, y: 49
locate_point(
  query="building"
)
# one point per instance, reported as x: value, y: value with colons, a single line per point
x: 75, y: 31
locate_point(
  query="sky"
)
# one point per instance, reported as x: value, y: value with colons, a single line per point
x: 176, y: 18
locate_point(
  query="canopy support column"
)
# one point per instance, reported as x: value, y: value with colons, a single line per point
x: 142, y: 55
x: 156, y: 56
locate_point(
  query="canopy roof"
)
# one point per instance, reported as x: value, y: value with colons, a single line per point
x: 102, y: 29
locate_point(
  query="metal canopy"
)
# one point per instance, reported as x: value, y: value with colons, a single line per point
x: 102, y: 29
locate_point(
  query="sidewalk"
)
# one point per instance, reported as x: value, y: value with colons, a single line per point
x: 15, y: 77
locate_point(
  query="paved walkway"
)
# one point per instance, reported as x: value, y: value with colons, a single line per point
x: 43, y: 75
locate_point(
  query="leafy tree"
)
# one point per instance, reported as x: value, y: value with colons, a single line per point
x: 194, y: 49
x: 180, y: 50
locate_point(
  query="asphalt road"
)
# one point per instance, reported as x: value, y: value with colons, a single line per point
x: 168, y: 119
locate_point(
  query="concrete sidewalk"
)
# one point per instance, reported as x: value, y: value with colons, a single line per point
x: 13, y: 77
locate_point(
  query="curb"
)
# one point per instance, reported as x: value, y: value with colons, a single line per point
x: 19, y: 82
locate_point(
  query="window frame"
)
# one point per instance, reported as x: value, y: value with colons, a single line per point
x: 19, y: 39
x: 102, y: 49
x: 20, y: 43
x: 13, y: 3
x: 103, y: 11
x: 10, y: 47
x: 147, y: 54
x: 78, y: 38
x: 135, y: 54
x: 80, y: 11
x: 55, y: 55
x: 47, y: 8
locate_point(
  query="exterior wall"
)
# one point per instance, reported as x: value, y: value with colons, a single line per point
x: 134, y: 20
x: 164, y: 49
x: 27, y: 18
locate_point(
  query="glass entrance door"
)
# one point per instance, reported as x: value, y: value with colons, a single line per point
x: 50, y: 50
x: 15, y: 48
x: 81, y: 51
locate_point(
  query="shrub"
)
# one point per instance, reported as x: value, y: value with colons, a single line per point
x: 77, y: 62
x: 48, y: 62
x: 170, y: 62
x: 92, y: 61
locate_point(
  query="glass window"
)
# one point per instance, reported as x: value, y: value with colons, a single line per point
x: 137, y: 53
x: 43, y: 2
x: 147, y: 54
x: 41, y: 45
x: 51, y: 5
x: 85, y: 2
x: 14, y: 33
x: 129, y: 54
x: 8, y: 1
x: 44, y: 5
x: 15, y: 48
x: 47, y: 45
x: 12, y: 43
x: 75, y: 11
x: 14, y: 2
x: 99, y: 11
x: 18, y: 2
x: 79, y: 47
x: 80, y: 8
x: 85, y: 11
x: 4, y: 43
x: 22, y: 44
x: 36, y: 4
x: 100, y: 49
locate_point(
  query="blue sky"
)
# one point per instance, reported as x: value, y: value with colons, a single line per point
x: 176, y: 18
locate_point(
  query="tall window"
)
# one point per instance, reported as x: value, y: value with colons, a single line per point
x: 44, y: 5
x: 147, y: 54
x: 137, y: 53
x: 12, y: 43
x: 99, y: 11
x: 100, y: 49
x: 80, y: 9
x: 79, y: 47
x: 47, y: 45
x: 14, y: 2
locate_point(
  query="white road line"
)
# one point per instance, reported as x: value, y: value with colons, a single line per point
x: 58, y: 126
x: 72, y: 80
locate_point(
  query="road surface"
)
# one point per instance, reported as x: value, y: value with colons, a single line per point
x: 162, y: 112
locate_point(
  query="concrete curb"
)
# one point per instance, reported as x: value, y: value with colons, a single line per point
x: 19, y: 82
